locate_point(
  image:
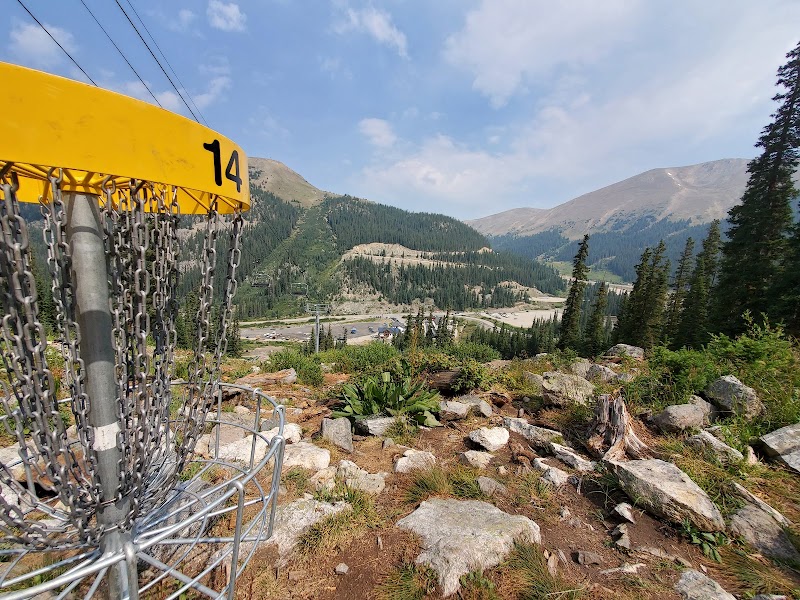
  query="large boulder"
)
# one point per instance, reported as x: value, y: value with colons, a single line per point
x: 680, y: 417
x: 453, y: 410
x: 533, y: 379
x: 601, y: 373
x: 763, y: 532
x: 665, y: 491
x: 580, y: 367
x: 338, y: 432
x: 560, y: 389
x: 374, y: 425
x: 704, y: 441
x: 540, y: 437
x: 693, y: 585
x: 461, y: 536
x: 477, y: 404
x: 731, y: 395
x: 784, y: 445
x: 626, y: 350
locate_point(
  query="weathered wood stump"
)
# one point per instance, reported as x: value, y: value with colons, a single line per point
x: 612, y: 434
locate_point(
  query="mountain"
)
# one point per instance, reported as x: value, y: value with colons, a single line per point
x: 624, y: 218
x: 276, y: 178
x: 695, y: 194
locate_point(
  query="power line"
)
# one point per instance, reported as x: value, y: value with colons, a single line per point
x: 110, y: 39
x: 64, y: 50
x: 166, y: 60
x: 155, y: 58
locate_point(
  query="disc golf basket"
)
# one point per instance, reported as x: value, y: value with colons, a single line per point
x: 118, y: 486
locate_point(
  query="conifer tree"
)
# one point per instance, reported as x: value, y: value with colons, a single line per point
x: 632, y: 309
x: 595, y: 336
x: 693, y: 328
x: 681, y: 288
x: 757, y: 244
x: 571, y: 318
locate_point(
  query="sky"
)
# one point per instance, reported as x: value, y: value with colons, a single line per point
x: 463, y: 107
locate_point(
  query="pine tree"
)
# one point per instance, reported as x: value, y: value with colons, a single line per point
x: 757, y: 242
x: 571, y: 318
x: 693, y: 328
x: 632, y: 311
x: 681, y: 288
x: 595, y: 336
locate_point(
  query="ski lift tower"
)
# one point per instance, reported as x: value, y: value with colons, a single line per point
x: 118, y: 486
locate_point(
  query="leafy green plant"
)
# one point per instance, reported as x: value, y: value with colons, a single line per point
x: 707, y: 541
x: 308, y: 368
x: 476, y: 586
x: 472, y: 350
x: 406, y: 398
x: 472, y: 375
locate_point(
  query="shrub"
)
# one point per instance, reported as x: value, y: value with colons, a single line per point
x: 308, y: 369
x: 405, y: 398
x: 472, y: 350
x: 367, y: 360
x: 472, y: 375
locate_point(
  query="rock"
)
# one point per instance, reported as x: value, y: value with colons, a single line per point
x: 763, y: 532
x: 623, y: 537
x: 585, y: 557
x: 342, y: 569
x: 665, y: 491
x: 324, y: 479
x: 625, y: 510
x: 626, y: 350
x: 413, y: 460
x: 374, y: 425
x: 759, y: 503
x: 477, y: 404
x: 291, y: 520
x: 706, y: 441
x: 338, y: 432
x: 451, y: 410
x: 502, y: 470
x: 784, y: 445
x: 490, y: 486
x: 539, y: 437
x: 460, y: 536
x: 680, y: 417
x: 600, y: 373
x: 560, y: 389
x: 307, y: 456
x: 552, y: 475
x: 693, y: 585
x: 750, y: 456
x: 357, y: 478
x: 388, y: 443
x: 569, y: 457
x: 241, y: 410
x: 533, y: 379
x: 10, y: 455
x: 262, y: 379
x: 475, y: 458
x: 580, y: 367
x: 626, y: 568
x: 241, y: 449
x: 491, y: 438
x: 292, y: 433
x: 731, y: 395
x: 624, y: 377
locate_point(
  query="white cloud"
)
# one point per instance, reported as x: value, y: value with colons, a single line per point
x: 375, y: 23
x: 168, y: 99
x: 334, y: 67
x: 216, y: 88
x: 32, y: 46
x: 226, y: 16
x: 185, y: 18
x: 506, y: 43
x: 266, y: 125
x: 378, y: 132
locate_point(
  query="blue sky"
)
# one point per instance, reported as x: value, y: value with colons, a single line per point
x: 462, y: 107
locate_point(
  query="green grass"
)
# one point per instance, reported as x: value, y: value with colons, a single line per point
x: 335, y: 530
x: 408, y: 582
x: 456, y: 482
x: 528, y: 567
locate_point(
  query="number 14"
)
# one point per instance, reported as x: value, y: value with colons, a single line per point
x: 231, y: 171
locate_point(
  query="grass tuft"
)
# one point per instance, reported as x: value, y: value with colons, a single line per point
x: 409, y: 582
x: 534, y: 581
x: 457, y: 482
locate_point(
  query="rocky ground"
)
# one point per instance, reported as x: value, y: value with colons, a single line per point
x: 519, y: 497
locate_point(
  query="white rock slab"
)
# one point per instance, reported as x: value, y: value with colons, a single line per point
x: 307, y: 456
x: 476, y: 458
x: 571, y: 458
x: 693, y: 585
x: 292, y: 433
x: 490, y: 438
x: 459, y: 536
x: 414, y: 460
x: 539, y: 437
x: 291, y: 520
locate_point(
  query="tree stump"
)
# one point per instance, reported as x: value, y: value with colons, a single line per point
x: 612, y: 434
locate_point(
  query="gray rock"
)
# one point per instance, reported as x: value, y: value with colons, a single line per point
x: 622, y: 536
x: 490, y: 486
x: 731, y: 395
x: 475, y: 458
x: 625, y: 510
x: 414, y: 460
x: 10, y: 456
x: 580, y: 367
x: 574, y: 460
x: 533, y: 379
x: 460, y: 536
x: 342, y: 569
x: 623, y: 377
x: 750, y: 456
x: 307, y: 456
x: 693, y: 585
x: 291, y: 520
x: 667, y: 492
x: 705, y: 441
x: 452, y: 410
x: 477, y: 404
x: 539, y: 437
x: 552, y: 475
x: 600, y: 373
x: 292, y: 433
x: 745, y: 494
x: 338, y: 432
x: 374, y: 425
x: 324, y: 479
x: 626, y: 350
x: 586, y: 557
x: 491, y: 438
x: 763, y: 533
x: 357, y: 478
x: 680, y: 417
x: 784, y: 445
x: 560, y: 389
